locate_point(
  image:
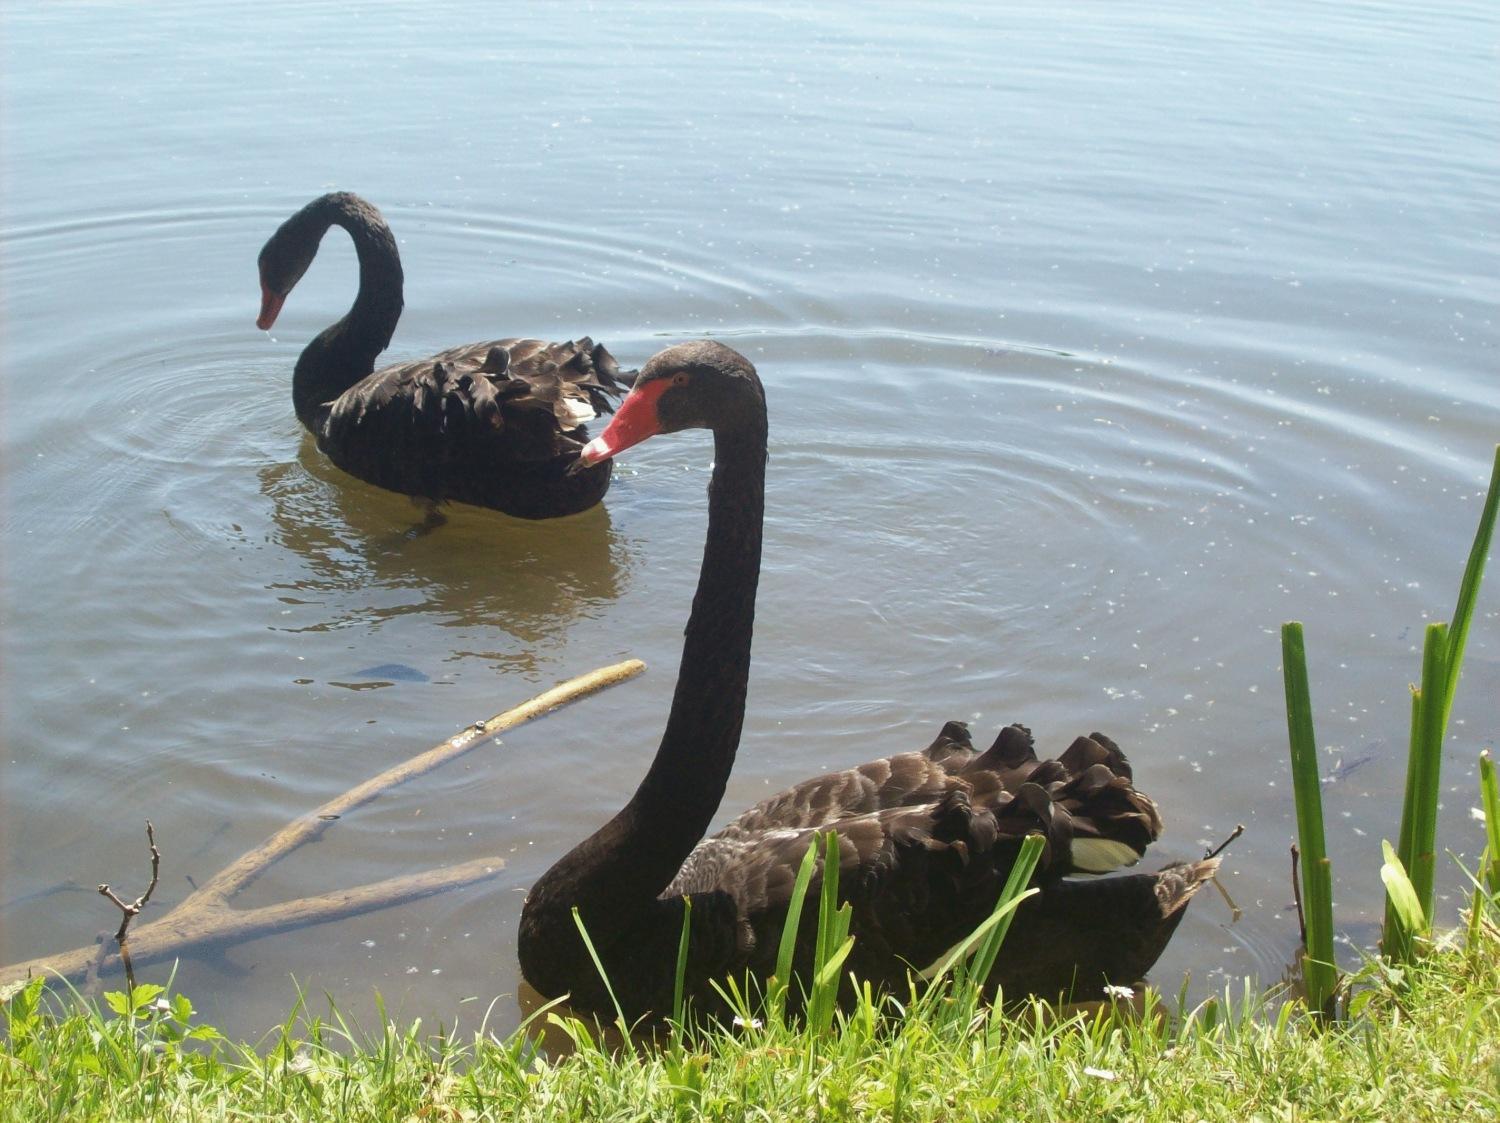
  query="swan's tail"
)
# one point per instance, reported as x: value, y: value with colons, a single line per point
x: 1084, y: 801
x: 1076, y: 937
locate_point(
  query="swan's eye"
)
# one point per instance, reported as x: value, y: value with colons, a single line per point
x: 680, y: 378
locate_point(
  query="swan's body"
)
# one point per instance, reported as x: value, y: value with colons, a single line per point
x: 498, y: 424
x: 926, y: 839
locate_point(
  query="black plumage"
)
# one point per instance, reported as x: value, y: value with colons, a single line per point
x: 497, y: 424
x: 925, y: 839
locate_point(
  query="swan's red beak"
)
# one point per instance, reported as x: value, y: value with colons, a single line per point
x: 270, y: 308
x: 633, y: 422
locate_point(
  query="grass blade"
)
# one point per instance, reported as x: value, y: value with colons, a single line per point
x: 794, y: 918
x: 1015, y: 885
x: 833, y: 945
x: 1003, y: 911
x: 828, y: 905
x: 603, y: 975
x: 682, y: 953
x: 827, y: 977
x: 1489, y: 794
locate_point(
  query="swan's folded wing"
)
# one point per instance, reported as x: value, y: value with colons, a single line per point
x: 1111, y: 822
x: 918, y: 877
x: 479, y: 409
x: 902, y: 780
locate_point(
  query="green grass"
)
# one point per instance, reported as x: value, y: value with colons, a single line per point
x: 1423, y: 1043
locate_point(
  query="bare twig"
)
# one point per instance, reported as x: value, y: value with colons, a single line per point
x: 206, y: 916
x: 1239, y: 829
x: 133, y: 909
x: 1297, y: 895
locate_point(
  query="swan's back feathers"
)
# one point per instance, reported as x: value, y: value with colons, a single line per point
x: 926, y: 839
x: 1083, y: 801
x: 892, y: 781
x: 498, y: 424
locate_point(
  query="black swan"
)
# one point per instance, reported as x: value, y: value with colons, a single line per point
x: 926, y: 838
x: 496, y: 424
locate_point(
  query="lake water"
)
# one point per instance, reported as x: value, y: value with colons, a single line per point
x: 1099, y: 339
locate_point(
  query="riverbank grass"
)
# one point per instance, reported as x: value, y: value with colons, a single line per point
x: 1423, y: 1043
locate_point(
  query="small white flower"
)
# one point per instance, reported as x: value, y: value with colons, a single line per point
x: 741, y: 1023
x: 1119, y: 994
x: 1101, y: 1073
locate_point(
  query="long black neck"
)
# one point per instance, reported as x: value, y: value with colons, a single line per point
x: 345, y: 353
x: 683, y: 787
x: 617, y: 874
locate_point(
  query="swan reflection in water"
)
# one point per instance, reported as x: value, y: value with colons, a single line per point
x: 371, y: 555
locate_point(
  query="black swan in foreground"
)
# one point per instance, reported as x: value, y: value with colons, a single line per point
x: 497, y: 424
x: 926, y: 839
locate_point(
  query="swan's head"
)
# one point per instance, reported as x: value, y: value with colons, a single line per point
x: 288, y: 252
x: 698, y: 385
x: 283, y: 259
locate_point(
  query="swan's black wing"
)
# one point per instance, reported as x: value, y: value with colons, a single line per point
x: 499, y: 424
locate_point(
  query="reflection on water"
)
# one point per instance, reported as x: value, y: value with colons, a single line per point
x: 369, y: 556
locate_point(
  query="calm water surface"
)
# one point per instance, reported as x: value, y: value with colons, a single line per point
x: 1099, y: 339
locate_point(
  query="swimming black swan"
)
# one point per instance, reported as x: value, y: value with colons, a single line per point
x: 497, y: 424
x: 926, y: 839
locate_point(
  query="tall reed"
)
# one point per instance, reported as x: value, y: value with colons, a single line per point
x: 1319, y: 972
x: 1409, y: 869
x: 1432, y: 702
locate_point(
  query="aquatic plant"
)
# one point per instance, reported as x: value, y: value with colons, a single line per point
x: 1431, y: 703
x: 1408, y: 869
x: 1319, y: 971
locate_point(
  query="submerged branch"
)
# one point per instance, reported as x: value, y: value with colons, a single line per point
x: 206, y: 916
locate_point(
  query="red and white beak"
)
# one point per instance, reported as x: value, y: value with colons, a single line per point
x: 633, y: 422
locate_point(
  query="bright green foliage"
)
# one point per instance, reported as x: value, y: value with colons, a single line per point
x: 1421, y: 1046
x: 833, y: 943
